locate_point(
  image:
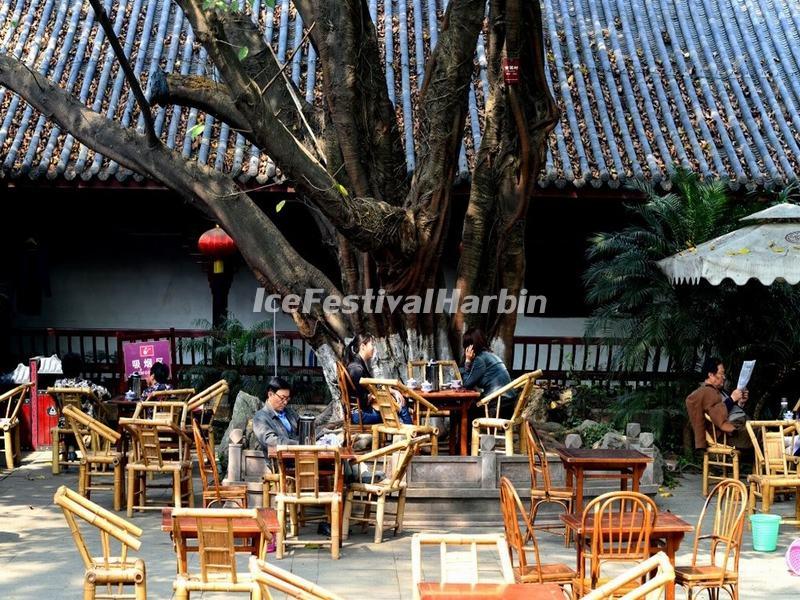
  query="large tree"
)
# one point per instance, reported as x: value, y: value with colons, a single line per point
x: 346, y: 162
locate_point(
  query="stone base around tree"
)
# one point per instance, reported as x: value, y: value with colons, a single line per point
x: 449, y: 491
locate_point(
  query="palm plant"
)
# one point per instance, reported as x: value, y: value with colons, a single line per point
x: 635, y: 302
x: 234, y: 345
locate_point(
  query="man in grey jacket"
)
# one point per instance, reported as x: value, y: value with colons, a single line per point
x: 276, y: 423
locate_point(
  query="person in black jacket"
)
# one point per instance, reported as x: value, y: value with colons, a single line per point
x: 360, y: 352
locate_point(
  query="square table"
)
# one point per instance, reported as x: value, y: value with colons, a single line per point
x: 668, y: 527
x: 588, y: 463
x: 243, y: 529
x: 503, y: 591
x: 459, y: 401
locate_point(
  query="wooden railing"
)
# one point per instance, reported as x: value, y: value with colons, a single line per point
x: 585, y: 359
x: 101, y: 349
x: 560, y: 358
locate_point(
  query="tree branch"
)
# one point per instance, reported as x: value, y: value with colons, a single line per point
x: 263, y: 246
x: 370, y: 225
x: 133, y: 82
x: 357, y: 96
x: 211, y: 97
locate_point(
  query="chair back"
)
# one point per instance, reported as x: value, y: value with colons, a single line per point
x: 416, y: 369
x: 382, y: 390
x: 521, y: 385
x: 147, y: 434
x: 304, y: 461
x: 621, y: 528
x: 215, y: 542
x: 725, y: 506
x: 393, y: 461
x: 13, y: 400
x: 101, y: 436
x: 349, y: 406
x: 209, y: 399
x: 654, y: 588
x: 513, y: 513
x: 460, y: 565
x: 204, y: 454
x: 537, y: 460
x: 267, y: 576
x: 180, y: 395
x: 76, y: 397
x: 165, y: 411
x: 448, y: 367
x: 714, y: 437
x: 75, y: 507
x: 769, y: 446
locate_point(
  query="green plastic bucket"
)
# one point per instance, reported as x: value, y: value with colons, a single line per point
x: 765, y: 532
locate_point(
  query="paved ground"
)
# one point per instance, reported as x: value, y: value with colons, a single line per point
x: 38, y: 558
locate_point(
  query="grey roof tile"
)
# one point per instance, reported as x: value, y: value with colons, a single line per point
x: 712, y: 85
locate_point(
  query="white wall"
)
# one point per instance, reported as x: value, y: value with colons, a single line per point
x: 143, y: 289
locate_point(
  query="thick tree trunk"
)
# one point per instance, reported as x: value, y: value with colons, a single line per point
x: 349, y: 167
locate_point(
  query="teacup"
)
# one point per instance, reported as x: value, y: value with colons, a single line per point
x: 412, y: 383
x: 427, y: 386
x: 455, y: 384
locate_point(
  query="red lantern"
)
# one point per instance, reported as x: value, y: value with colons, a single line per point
x: 217, y: 245
x: 511, y: 71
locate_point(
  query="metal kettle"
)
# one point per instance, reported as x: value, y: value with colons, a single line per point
x: 306, y: 430
x: 135, y: 385
x: 432, y: 374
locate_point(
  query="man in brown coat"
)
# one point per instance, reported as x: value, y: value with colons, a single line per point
x: 708, y: 399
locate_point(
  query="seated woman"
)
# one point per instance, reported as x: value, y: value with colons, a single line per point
x: 483, y: 369
x: 157, y: 380
x: 360, y: 352
x: 71, y: 367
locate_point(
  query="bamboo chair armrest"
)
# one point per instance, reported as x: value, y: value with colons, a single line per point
x: 507, y: 387
x: 391, y: 448
x: 419, y: 399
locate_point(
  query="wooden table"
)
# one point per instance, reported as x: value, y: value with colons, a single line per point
x: 505, y: 591
x: 587, y: 463
x: 459, y: 401
x: 668, y: 527
x: 244, y: 529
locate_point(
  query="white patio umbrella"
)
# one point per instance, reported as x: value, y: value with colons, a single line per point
x: 767, y: 249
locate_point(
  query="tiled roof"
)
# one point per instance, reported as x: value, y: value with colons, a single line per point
x: 713, y: 85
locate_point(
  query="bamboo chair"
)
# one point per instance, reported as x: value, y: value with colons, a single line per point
x: 654, y: 588
x: 729, y: 499
x: 9, y: 423
x: 623, y: 522
x: 61, y: 434
x: 772, y: 470
x: 393, y: 462
x: 381, y: 389
x: 503, y: 429
x: 267, y: 576
x: 718, y: 454
x: 305, y: 491
x: 99, y: 455
x: 165, y: 411
x: 349, y: 408
x: 513, y: 512
x: 208, y: 402
x: 105, y: 570
x: 542, y: 489
x: 213, y: 491
x: 458, y: 566
x: 216, y: 551
x: 148, y: 457
x: 416, y: 370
